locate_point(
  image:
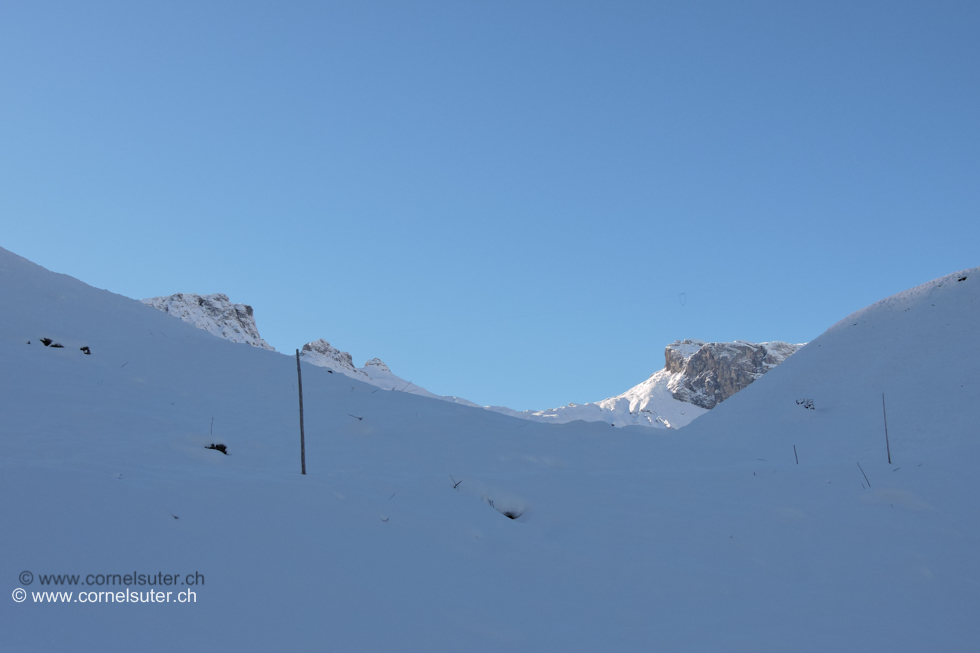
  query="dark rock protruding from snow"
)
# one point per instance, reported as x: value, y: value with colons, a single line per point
x: 710, y: 372
x: 215, y: 314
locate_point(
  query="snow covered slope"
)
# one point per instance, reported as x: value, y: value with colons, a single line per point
x: 928, y: 330
x: 697, y: 376
x: 709, y: 538
x: 215, y: 314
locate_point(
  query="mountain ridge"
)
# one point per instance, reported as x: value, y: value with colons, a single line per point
x: 697, y: 375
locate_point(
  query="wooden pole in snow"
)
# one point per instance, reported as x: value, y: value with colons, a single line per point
x: 888, y: 447
x: 302, y: 436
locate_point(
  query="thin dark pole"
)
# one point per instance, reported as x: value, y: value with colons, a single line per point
x: 796, y: 454
x: 302, y: 436
x: 888, y: 446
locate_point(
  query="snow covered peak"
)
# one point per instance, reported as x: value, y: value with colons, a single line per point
x: 322, y: 354
x: 215, y: 314
x: 697, y: 376
x: 378, y: 364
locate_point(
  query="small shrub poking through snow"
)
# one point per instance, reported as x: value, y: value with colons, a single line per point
x: 218, y: 447
x: 806, y: 403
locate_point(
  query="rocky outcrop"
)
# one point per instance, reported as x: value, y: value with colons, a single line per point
x: 215, y: 314
x: 378, y: 364
x: 322, y: 354
x: 696, y: 377
x: 707, y: 373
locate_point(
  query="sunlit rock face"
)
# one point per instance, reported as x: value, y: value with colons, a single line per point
x: 707, y: 373
x: 215, y: 314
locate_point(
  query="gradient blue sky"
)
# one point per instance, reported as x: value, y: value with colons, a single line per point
x: 502, y: 200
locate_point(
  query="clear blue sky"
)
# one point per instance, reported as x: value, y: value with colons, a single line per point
x: 502, y: 200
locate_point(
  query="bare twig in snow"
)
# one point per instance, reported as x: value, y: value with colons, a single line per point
x: 863, y: 474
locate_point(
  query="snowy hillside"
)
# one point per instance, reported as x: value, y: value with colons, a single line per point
x: 697, y: 376
x: 705, y: 539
